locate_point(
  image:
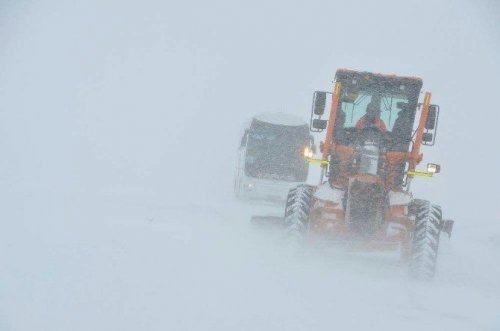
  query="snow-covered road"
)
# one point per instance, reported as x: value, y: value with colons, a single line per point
x: 140, y: 263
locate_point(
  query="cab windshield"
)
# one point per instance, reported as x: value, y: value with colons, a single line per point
x: 394, y: 117
x: 388, y: 105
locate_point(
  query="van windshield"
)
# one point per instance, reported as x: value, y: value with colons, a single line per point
x: 275, y: 152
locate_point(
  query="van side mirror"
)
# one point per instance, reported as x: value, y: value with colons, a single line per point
x: 244, y: 138
x: 319, y: 103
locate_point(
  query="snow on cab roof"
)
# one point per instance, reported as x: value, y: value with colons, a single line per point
x: 373, y: 74
x: 280, y: 119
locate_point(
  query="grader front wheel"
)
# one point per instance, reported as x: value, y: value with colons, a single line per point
x: 425, y: 241
x: 298, y: 205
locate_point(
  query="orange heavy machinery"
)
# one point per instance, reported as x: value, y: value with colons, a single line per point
x: 374, y: 132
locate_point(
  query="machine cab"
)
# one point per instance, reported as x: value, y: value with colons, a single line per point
x: 373, y: 114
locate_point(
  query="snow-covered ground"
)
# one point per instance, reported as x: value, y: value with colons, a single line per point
x: 128, y: 262
x: 119, y: 125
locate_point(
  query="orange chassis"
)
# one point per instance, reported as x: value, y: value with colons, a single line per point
x: 327, y: 218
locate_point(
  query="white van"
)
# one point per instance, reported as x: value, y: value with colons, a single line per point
x: 270, y: 157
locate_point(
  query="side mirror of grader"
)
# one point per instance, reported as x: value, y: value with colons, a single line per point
x: 318, y: 109
x: 319, y: 103
x: 429, y: 136
x: 319, y: 124
x: 432, y: 117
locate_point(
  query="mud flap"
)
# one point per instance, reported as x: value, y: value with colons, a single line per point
x: 447, y: 227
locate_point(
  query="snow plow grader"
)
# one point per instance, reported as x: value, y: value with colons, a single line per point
x: 374, y: 132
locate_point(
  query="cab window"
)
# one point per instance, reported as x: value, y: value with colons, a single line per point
x: 354, y: 107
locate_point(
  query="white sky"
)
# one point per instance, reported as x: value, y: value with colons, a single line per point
x: 116, y: 94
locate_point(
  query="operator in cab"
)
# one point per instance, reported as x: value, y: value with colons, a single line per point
x: 371, y: 118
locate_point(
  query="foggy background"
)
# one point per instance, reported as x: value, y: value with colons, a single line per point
x: 119, y: 125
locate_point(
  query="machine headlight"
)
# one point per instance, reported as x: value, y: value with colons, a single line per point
x: 308, y: 153
x: 433, y: 168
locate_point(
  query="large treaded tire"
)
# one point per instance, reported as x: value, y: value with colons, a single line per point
x: 425, y: 241
x: 298, y: 205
